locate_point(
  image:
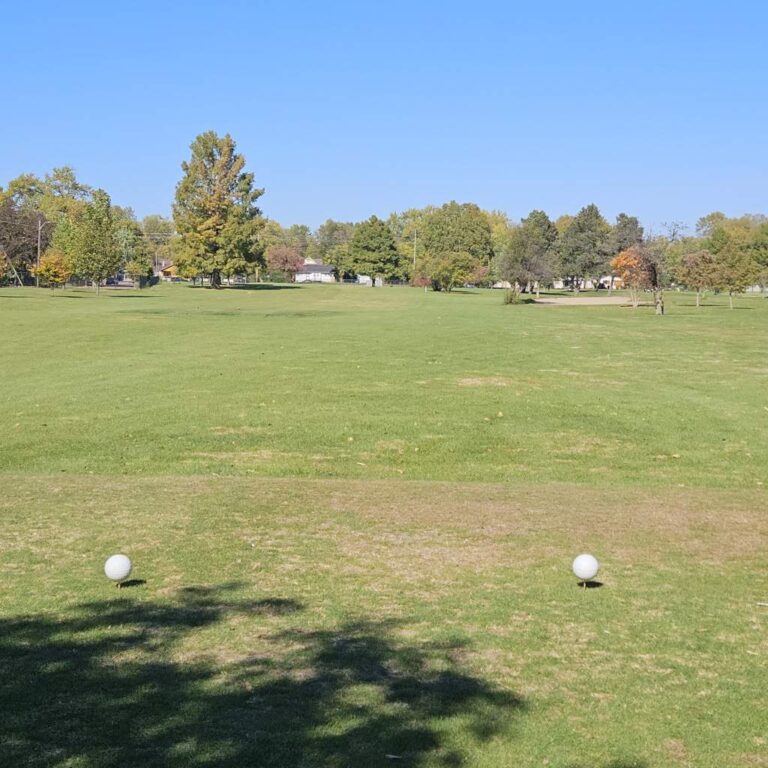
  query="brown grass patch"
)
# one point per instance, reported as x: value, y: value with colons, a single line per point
x: 241, y: 458
x: 398, y: 446
x: 712, y: 525
x: 243, y: 430
x: 485, y: 381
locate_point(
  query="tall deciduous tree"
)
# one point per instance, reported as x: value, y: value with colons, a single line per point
x: 135, y: 250
x: 734, y: 268
x: 331, y: 234
x: 215, y: 211
x: 158, y: 231
x: 706, y: 225
x: 759, y: 248
x: 694, y: 269
x: 94, y: 249
x: 340, y: 259
x: 458, y: 228
x: 585, y: 245
x: 42, y: 205
x: 24, y: 234
x: 373, y: 251
x: 408, y: 230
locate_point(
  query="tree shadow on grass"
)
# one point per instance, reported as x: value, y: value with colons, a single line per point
x: 116, y: 295
x: 711, y: 307
x: 103, y: 686
x: 262, y: 287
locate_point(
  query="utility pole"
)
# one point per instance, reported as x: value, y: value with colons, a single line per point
x: 39, y: 241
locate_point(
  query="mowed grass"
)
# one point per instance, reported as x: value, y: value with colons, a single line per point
x: 370, y: 566
x: 336, y: 623
x: 348, y: 382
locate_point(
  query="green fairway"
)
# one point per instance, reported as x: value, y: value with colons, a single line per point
x: 342, y: 381
x: 352, y: 514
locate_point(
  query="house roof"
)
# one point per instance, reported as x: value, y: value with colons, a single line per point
x: 309, y: 269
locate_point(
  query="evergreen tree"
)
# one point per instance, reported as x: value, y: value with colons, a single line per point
x: 585, y: 245
x: 373, y: 252
x: 536, y: 239
x: 626, y: 233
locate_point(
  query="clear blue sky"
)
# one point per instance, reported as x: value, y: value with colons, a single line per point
x: 344, y: 109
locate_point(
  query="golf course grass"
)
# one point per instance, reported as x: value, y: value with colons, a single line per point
x: 352, y: 514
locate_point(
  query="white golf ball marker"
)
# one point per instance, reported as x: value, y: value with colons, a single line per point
x: 585, y: 567
x: 118, y: 567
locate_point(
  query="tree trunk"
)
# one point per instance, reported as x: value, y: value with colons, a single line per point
x: 215, y: 279
x: 610, y: 287
x: 698, y: 298
x: 537, y: 289
x: 658, y: 297
x: 98, y: 286
x: 730, y: 298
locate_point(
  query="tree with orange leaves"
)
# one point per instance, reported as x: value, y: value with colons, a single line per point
x: 632, y: 267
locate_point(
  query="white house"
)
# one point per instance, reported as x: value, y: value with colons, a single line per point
x: 366, y: 280
x: 315, y: 272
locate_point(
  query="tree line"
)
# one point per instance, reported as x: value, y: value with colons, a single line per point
x: 55, y: 228
x: 456, y: 244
